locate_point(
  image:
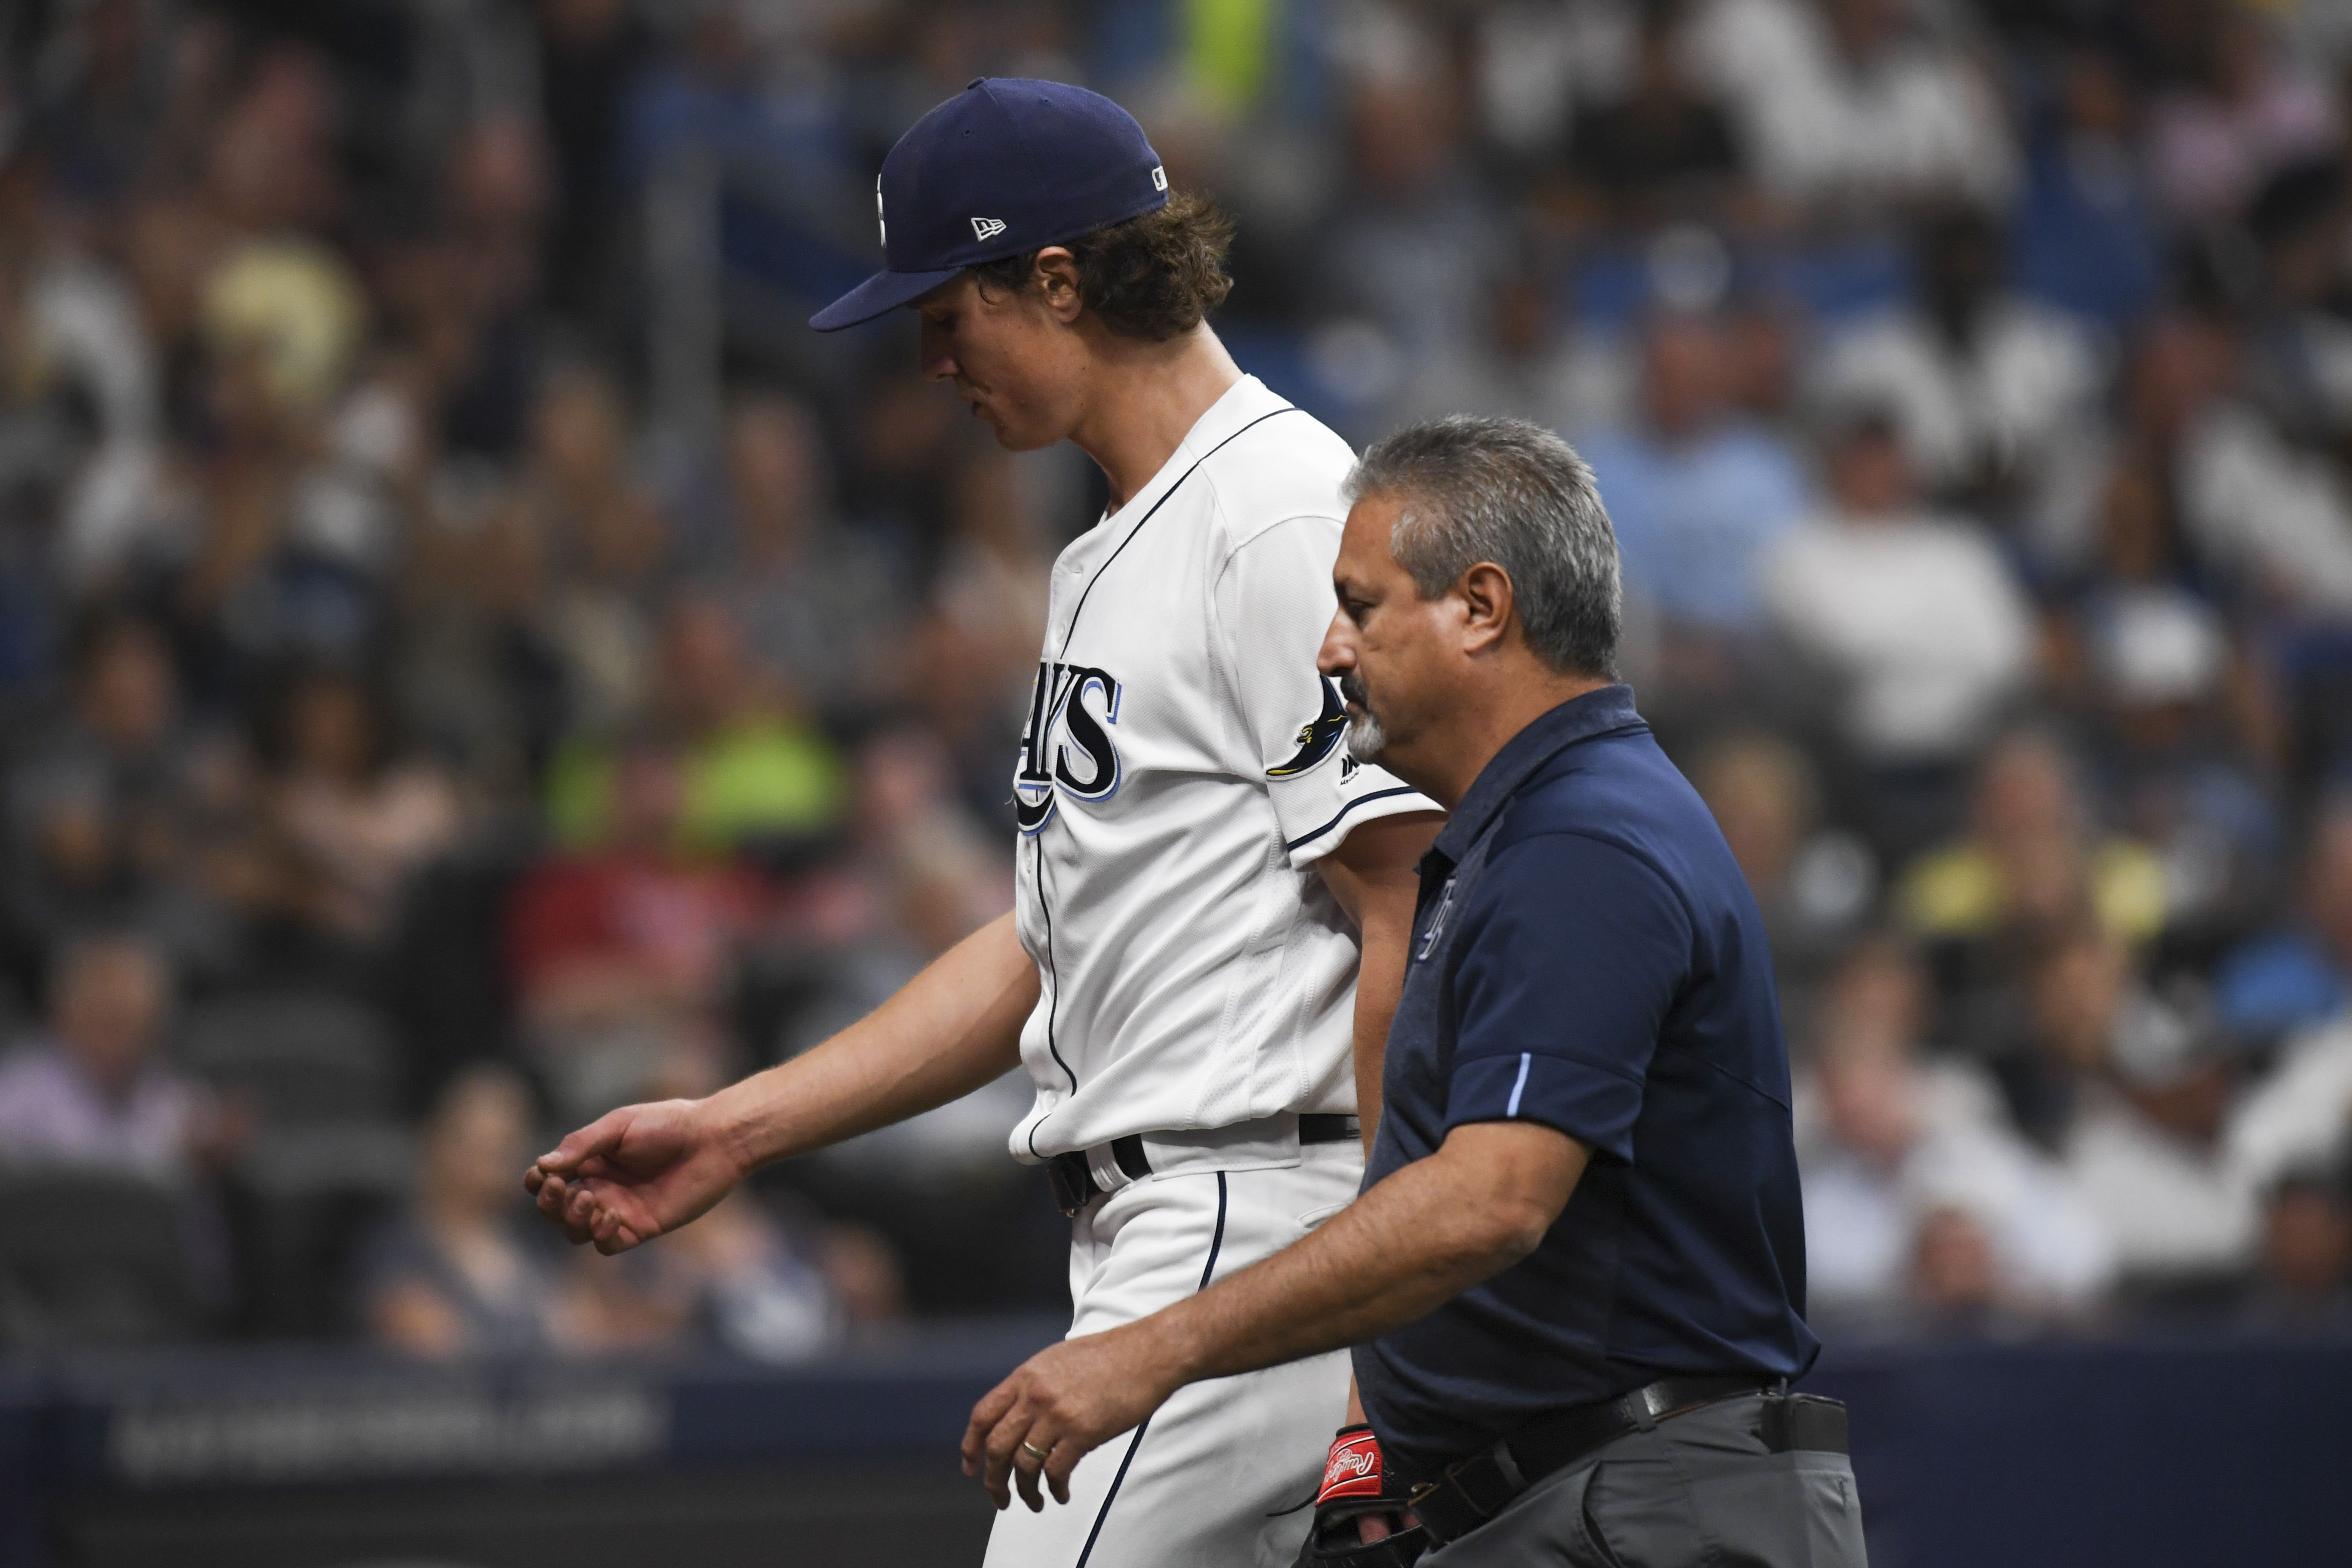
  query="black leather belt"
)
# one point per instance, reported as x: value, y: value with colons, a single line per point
x: 1472, y: 1490
x: 1073, y: 1175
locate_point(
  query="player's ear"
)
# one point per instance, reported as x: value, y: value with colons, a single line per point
x: 1059, y: 284
x: 1486, y: 598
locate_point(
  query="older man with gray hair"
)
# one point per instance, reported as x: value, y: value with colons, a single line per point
x: 1574, y: 1280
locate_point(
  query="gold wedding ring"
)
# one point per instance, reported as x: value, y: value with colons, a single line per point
x: 1033, y: 1450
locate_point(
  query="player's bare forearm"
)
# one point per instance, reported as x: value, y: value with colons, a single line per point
x: 1372, y: 876
x: 644, y: 1170
x: 1414, y: 1242
x: 948, y: 1031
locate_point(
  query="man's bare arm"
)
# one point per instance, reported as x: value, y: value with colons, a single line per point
x: 1372, y: 877
x: 1414, y: 1242
x: 644, y: 1170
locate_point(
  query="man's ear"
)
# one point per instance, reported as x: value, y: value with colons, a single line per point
x: 1485, y: 591
x: 1058, y: 283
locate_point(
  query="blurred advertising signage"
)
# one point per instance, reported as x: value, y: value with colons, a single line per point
x: 384, y: 1434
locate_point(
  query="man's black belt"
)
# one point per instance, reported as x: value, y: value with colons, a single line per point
x: 1073, y: 1175
x: 1472, y: 1490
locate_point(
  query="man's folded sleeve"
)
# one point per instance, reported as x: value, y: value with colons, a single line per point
x: 1572, y: 949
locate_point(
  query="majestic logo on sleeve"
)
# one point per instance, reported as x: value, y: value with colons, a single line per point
x: 1067, y: 744
x: 1319, y: 737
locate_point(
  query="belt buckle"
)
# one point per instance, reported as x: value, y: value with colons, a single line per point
x: 1439, y: 1529
x: 1413, y: 1502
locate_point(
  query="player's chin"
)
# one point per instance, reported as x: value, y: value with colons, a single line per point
x: 1010, y: 434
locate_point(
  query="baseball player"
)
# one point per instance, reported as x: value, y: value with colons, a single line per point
x: 1201, y: 864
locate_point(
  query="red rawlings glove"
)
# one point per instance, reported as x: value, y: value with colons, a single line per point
x: 1353, y: 1467
x: 1358, y: 1523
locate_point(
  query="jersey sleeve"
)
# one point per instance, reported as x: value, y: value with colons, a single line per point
x: 1572, y: 953
x: 1274, y: 604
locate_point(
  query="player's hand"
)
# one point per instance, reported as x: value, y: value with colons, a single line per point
x: 1064, y: 1402
x: 635, y: 1174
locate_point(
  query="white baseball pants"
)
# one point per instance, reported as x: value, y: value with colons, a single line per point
x: 1213, y: 1478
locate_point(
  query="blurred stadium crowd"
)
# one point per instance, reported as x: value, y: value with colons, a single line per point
x: 471, y: 658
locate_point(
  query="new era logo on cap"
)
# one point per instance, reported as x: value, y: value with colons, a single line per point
x: 981, y: 149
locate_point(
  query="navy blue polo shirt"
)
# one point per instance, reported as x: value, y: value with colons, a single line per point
x: 1586, y: 955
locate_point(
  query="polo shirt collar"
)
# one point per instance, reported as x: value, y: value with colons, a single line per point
x: 1578, y: 719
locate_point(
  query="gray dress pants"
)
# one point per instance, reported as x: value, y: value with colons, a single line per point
x: 1699, y: 1490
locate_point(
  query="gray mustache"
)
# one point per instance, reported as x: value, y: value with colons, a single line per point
x: 1352, y: 687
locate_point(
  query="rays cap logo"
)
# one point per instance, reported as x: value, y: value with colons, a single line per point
x: 1046, y: 161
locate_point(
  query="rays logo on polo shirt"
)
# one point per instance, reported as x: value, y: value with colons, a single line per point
x: 1067, y: 744
x: 1437, y: 923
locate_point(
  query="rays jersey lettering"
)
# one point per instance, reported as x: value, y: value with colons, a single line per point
x: 1182, y: 770
x: 1067, y: 744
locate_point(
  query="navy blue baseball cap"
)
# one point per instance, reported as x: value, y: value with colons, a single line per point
x: 1006, y: 166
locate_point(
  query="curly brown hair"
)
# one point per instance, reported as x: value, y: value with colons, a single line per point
x: 1152, y: 276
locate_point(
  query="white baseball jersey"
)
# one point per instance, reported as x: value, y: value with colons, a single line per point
x: 1182, y: 770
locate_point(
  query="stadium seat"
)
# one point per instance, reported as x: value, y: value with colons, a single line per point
x: 301, y: 1059
x: 320, y: 1075
x: 91, y: 1257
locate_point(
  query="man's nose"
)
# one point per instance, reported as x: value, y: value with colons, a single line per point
x: 934, y: 357
x: 1337, y: 654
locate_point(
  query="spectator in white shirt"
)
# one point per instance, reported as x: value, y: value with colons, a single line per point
x: 2147, y: 1154
x: 2274, y: 517
x: 2129, y: 1094
x: 1854, y: 102
x: 1914, y: 617
x: 1909, y: 1171
x: 2301, y: 1115
x: 1995, y: 394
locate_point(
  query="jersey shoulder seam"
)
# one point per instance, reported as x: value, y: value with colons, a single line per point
x: 1238, y: 531
x: 1231, y: 541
